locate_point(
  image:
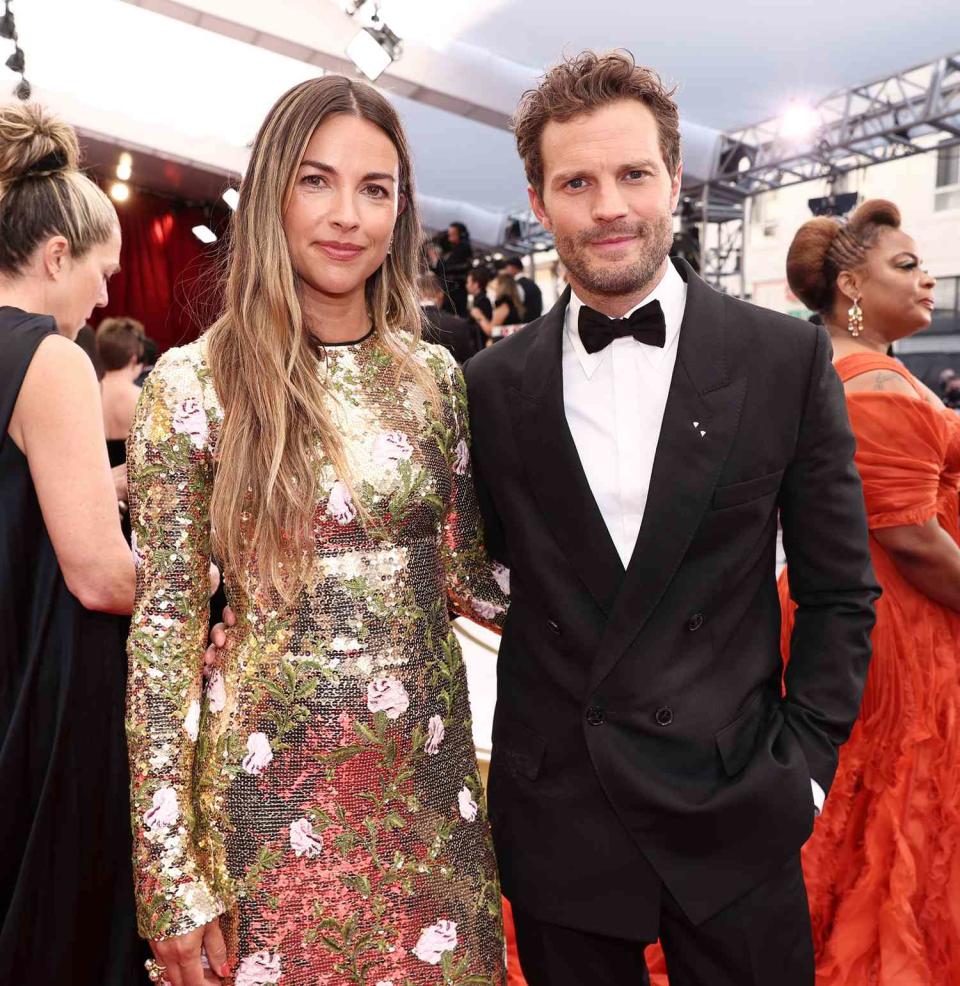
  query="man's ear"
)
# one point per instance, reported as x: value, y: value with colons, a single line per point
x: 675, y: 184
x: 536, y: 203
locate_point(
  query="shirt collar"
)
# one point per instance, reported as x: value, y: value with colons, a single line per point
x: 671, y: 292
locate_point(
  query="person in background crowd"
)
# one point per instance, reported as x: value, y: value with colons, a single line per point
x: 531, y: 297
x: 477, y: 281
x: 507, y: 307
x: 883, y: 866
x: 457, y: 263
x: 460, y: 336
x: 150, y: 350
x: 120, y: 351
x: 315, y: 816
x: 650, y: 773
x: 66, y: 893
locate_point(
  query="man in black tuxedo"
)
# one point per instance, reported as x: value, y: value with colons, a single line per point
x: 532, y: 296
x: 654, y: 773
x: 460, y: 335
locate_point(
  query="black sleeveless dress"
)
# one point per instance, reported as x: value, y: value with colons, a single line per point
x: 66, y: 889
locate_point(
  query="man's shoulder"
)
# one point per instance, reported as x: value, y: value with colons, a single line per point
x: 768, y: 331
x: 504, y: 360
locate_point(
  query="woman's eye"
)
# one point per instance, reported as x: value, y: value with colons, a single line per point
x: 377, y: 191
x: 314, y: 181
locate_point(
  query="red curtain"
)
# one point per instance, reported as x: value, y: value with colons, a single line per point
x: 168, y: 278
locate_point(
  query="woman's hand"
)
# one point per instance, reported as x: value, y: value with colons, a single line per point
x: 180, y: 956
x: 218, y: 642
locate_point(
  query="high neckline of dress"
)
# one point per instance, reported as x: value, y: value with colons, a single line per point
x: 319, y: 344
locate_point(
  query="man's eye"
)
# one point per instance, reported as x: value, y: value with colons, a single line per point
x: 576, y: 183
x: 637, y: 173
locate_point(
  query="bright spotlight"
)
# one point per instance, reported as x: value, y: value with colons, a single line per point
x: 204, y: 234
x: 119, y: 191
x: 231, y: 196
x: 373, y: 50
x: 125, y: 167
x: 799, y: 121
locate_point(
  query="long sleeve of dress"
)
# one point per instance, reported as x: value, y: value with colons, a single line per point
x: 477, y: 587
x: 170, y: 478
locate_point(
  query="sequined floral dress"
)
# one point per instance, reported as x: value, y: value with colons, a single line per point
x: 321, y: 792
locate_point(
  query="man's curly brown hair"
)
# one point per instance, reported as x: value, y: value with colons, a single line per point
x: 583, y: 84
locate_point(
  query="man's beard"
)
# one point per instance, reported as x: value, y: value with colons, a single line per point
x: 616, y: 278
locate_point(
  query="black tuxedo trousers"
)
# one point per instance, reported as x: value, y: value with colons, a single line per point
x: 645, y: 733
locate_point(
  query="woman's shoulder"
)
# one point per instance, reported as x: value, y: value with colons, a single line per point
x: 181, y: 381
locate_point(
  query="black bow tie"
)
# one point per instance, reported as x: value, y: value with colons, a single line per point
x: 646, y: 325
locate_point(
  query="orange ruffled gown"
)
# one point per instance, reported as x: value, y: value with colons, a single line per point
x: 883, y: 865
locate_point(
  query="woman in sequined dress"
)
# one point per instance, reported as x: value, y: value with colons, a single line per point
x: 318, y: 805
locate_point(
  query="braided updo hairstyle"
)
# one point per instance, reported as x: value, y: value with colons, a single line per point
x: 824, y: 247
x: 42, y: 191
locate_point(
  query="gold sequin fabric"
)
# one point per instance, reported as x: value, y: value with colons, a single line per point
x: 320, y: 791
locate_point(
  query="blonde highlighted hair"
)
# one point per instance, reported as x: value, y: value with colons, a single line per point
x: 264, y: 367
x: 43, y: 193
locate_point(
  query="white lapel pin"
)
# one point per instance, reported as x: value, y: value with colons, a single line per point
x: 696, y: 425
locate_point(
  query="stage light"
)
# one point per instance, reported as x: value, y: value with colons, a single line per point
x: 204, y: 234
x: 119, y: 191
x: 373, y: 50
x: 232, y: 197
x: 125, y: 167
x: 498, y: 256
x: 799, y: 121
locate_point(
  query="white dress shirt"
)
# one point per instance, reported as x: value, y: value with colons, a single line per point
x: 614, y: 402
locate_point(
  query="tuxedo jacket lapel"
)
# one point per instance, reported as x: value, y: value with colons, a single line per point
x: 699, y: 424
x: 553, y: 465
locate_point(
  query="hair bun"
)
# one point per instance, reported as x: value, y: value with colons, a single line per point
x: 34, y: 141
x: 807, y: 272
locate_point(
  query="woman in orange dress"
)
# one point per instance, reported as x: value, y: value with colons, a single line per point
x: 883, y: 865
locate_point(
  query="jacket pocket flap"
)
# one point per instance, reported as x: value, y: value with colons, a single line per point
x: 737, y: 493
x: 519, y: 748
x: 738, y: 740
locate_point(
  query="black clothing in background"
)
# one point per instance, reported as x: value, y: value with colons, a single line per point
x: 462, y: 336
x: 514, y: 317
x: 66, y: 884
x: 532, y: 298
x: 457, y: 263
x: 482, y: 302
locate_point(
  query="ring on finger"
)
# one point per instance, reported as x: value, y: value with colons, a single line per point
x: 156, y: 972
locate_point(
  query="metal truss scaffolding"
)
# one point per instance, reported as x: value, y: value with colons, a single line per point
x: 913, y: 112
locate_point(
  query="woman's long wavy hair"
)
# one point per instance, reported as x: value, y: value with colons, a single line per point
x: 276, y: 414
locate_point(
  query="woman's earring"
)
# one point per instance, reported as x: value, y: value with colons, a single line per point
x: 390, y: 246
x: 855, y: 316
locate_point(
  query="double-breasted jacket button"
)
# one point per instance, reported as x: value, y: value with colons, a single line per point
x: 595, y: 716
x: 695, y: 622
x: 664, y: 716
x: 553, y: 627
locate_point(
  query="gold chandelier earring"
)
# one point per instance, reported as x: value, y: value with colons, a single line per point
x: 855, y: 319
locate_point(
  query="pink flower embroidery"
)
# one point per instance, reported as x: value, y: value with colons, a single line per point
x: 387, y: 695
x: 435, y: 940
x: 137, y: 553
x: 461, y: 458
x: 435, y: 734
x: 390, y: 448
x: 216, y: 692
x: 165, y: 810
x: 485, y: 609
x: 259, y: 969
x: 340, y: 505
x: 191, y: 722
x: 502, y: 576
x: 190, y: 419
x: 468, y: 807
x: 303, y: 840
x: 258, y: 755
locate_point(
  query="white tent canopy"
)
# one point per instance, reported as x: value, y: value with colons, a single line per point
x: 190, y: 81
